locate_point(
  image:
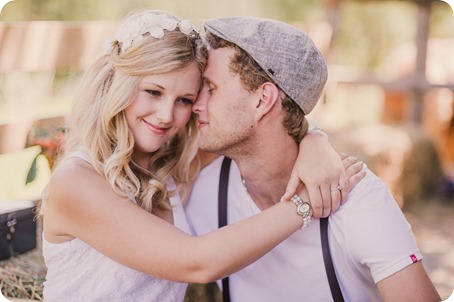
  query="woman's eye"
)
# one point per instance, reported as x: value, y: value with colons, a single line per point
x: 155, y: 93
x: 186, y: 101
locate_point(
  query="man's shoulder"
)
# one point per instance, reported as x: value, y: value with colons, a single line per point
x: 370, y: 193
x: 369, y: 184
x: 202, y: 205
x: 206, y: 185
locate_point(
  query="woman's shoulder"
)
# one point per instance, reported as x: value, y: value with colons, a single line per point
x: 68, y: 195
x: 73, y: 173
x: 72, y: 167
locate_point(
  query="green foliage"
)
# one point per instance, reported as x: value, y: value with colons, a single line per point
x: 369, y: 29
x: 294, y: 10
x: 31, y: 175
x: 26, y: 10
x: 68, y: 10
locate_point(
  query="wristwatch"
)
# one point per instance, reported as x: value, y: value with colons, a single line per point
x: 303, y: 209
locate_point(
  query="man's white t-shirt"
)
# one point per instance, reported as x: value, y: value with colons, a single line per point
x: 369, y: 237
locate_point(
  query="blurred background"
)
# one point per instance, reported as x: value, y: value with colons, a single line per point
x: 389, y: 99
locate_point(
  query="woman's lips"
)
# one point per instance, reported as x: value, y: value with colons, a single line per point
x: 156, y: 129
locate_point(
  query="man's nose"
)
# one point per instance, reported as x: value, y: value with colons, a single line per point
x: 200, y: 102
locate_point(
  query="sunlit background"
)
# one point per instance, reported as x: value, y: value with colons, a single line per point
x: 389, y: 99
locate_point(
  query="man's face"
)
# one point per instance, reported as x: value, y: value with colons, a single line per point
x: 225, y: 108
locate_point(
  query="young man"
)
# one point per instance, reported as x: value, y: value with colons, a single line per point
x: 262, y: 78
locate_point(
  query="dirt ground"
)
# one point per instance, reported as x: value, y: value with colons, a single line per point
x: 433, y: 225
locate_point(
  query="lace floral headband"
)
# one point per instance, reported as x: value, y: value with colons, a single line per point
x: 152, y: 24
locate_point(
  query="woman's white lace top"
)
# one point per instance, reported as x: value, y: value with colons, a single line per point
x: 77, y: 272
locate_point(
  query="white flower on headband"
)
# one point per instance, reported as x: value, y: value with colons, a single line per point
x: 168, y: 24
x: 186, y: 27
x: 152, y: 24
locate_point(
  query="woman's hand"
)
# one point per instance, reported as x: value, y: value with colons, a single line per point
x: 353, y: 169
x: 327, y: 175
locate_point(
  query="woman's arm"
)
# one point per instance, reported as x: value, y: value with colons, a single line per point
x: 82, y: 204
x: 327, y: 175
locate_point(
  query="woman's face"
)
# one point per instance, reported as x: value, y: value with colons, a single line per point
x: 161, y: 107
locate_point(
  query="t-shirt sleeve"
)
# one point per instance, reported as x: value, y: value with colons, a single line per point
x: 378, y: 234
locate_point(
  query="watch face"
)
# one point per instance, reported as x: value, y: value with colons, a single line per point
x: 304, y: 209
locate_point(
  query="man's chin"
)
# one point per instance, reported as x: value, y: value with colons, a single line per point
x: 209, y: 148
x: 212, y: 144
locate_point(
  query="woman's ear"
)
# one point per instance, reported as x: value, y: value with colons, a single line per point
x: 268, y: 96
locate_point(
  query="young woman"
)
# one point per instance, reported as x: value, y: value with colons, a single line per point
x: 114, y: 226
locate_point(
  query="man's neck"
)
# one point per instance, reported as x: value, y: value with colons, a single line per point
x: 266, y: 171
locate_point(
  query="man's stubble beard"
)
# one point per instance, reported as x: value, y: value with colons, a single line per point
x: 229, y: 136
x: 227, y: 143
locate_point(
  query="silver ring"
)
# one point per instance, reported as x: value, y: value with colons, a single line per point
x: 339, y: 187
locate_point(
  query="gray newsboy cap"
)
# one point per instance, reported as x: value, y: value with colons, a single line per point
x: 286, y: 54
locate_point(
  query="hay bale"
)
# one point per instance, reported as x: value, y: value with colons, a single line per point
x: 22, y: 276
x: 404, y: 157
x: 422, y: 172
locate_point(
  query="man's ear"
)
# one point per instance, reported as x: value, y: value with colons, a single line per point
x: 269, y: 95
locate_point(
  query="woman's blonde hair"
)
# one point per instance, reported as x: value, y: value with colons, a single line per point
x: 97, y: 121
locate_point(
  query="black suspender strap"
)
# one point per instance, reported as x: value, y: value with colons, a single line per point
x: 222, y: 218
x: 329, y: 267
x: 222, y: 214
